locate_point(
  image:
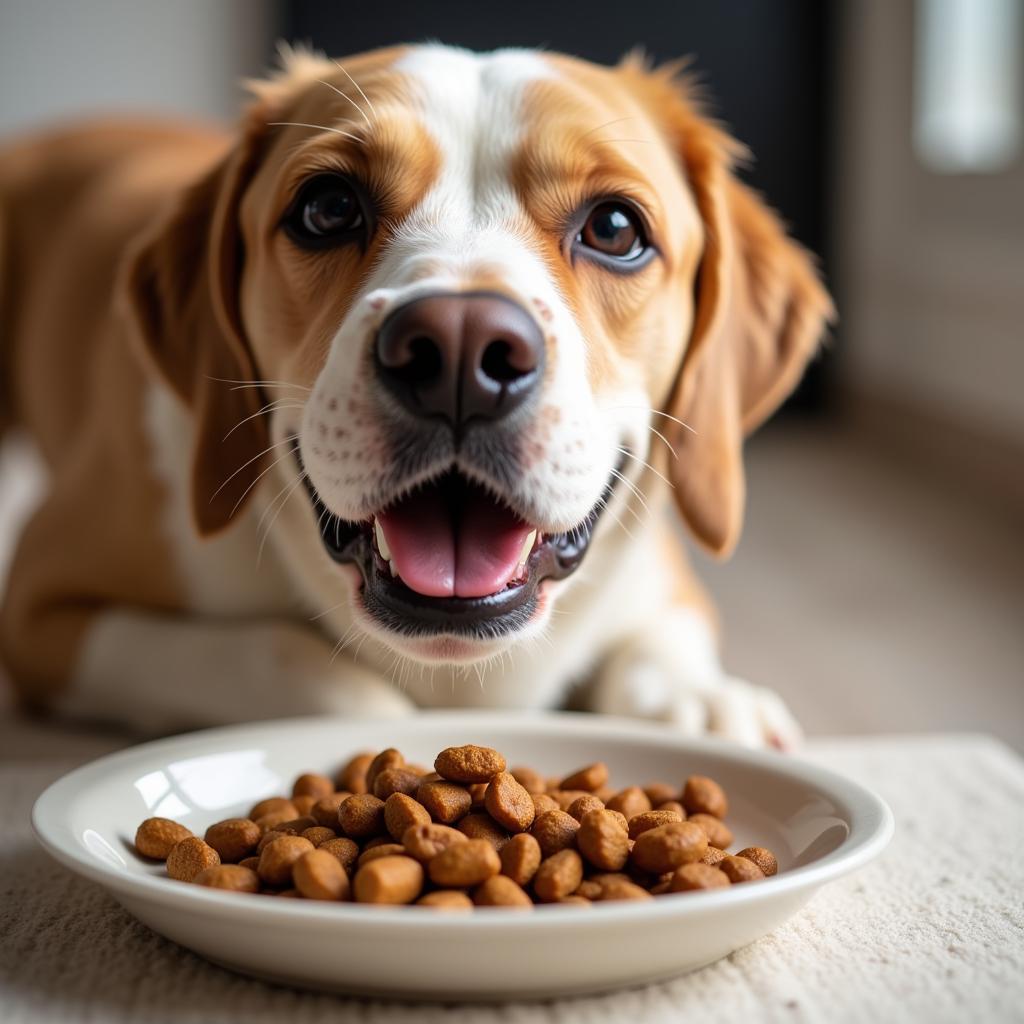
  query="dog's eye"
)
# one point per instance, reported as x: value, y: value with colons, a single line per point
x: 327, y: 211
x: 614, y: 230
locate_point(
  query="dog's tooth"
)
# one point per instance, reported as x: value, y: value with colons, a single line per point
x: 524, y: 554
x: 382, y: 541
x: 393, y: 567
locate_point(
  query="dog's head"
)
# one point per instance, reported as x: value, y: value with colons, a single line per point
x: 468, y: 303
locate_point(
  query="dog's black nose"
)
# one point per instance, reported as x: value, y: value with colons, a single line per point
x: 458, y: 357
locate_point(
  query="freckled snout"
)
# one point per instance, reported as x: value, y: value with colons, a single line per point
x: 460, y: 356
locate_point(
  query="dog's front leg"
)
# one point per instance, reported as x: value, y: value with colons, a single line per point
x: 158, y: 673
x: 669, y: 670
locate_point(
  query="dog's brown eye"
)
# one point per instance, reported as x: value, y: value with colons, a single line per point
x: 613, y: 229
x: 327, y: 211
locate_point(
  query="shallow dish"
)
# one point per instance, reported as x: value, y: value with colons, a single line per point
x: 818, y: 824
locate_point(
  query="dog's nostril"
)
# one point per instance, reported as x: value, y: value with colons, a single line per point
x: 423, y: 361
x: 499, y: 363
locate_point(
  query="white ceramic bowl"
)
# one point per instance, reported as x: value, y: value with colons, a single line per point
x: 819, y: 825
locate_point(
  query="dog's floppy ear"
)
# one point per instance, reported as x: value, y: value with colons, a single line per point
x: 760, y: 313
x: 182, y: 291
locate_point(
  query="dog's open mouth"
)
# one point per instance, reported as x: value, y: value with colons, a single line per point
x: 450, y: 557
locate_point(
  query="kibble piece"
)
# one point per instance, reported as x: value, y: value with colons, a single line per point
x: 469, y: 763
x: 352, y: 777
x: 325, y: 811
x: 543, y: 802
x: 558, y: 876
x: 740, y: 869
x: 390, y: 758
x: 481, y: 825
x: 274, y: 805
x: 318, y: 835
x: 277, y: 858
x: 270, y: 821
x: 376, y: 841
x: 555, y: 830
x: 673, y: 805
x: 719, y: 834
x: 630, y: 801
x: 702, y: 795
x: 582, y: 804
x: 426, y: 841
x: 576, y: 898
x: 233, y: 839
x: 623, y: 889
x: 650, y: 819
x: 156, y: 837
x: 602, y: 842
x: 464, y: 865
x: 319, y: 876
x: 232, y: 877
x: 252, y: 863
x: 621, y: 819
x: 362, y: 816
x: 304, y: 805
x: 714, y: 856
x: 660, y: 792
x: 594, y: 776
x: 401, y: 812
x: 382, y: 850
x: 691, y: 877
x: 445, y: 801
x: 296, y: 826
x: 388, y: 880
x: 395, y: 780
x: 189, y: 857
x: 532, y: 781
x: 589, y: 889
x: 565, y: 798
x: 763, y: 858
x: 446, y: 899
x: 344, y: 850
x: 520, y: 857
x: 267, y: 838
x: 311, y: 784
x: 508, y: 803
x: 500, y: 891
x: 477, y: 793
x: 667, y: 847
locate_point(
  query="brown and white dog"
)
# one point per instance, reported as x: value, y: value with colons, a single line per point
x: 333, y: 408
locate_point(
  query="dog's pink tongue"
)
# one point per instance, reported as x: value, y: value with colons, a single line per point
x: 437, y: 557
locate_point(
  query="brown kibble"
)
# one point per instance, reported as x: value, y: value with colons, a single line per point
x: 344, y: 850
x: 500, y: 891
x: 390, y: 758
x: 381, y: 850
x: 445, y: 801
x: 477, y: 793
x: 313, y: 785
x: 304, y: 805
x: 319, y: 876
x: 565, y: 798
x: 325, y: 811
x: 555, y: 830
x: 650, y: 819
x: 401, y: 812
x: 622, y: 889
x: 630, y: 801
x: 426, y: 841
x: 718, y: 833
x: 543, y: 802
x: 594, y: 776
x: 362, y: 816
x: 740, y: 869
x: 667, y: 847
x: 660, y: 792
x: 352, y: 777
x: 702, y: 795
x: 621, y: 819
x: 691, y: 877
x: 318, y: 835
x: 277, y: 858
x: 156, y: 837
x: 464, y: 864
x: 558, y: 875
x: 469, y: 763
x: 532, y: 781
x: 269, y: 822
x: 395, y: 780
x: 393, y: 880
x: 233, y: 839
x: 589, y: 889
x: 602, y: 842
x: 763, y: 858
x: 582, y: 804
x: 252, y: 863
x: 267, y: 838
x: 576, y: 898
x: 520, y: 857
x: 296, y: 826
x: 673, y: 805
x: 508, y: 803
x: 713, y: 856
x: 190, y: 856
x: 274, y: 805
x: 231, y: 877
x: 481, y: 825
x: 446, y: 899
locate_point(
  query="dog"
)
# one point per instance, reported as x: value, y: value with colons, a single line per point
x: 382, y: 401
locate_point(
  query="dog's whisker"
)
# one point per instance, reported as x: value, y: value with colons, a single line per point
x: 359, y: 89
x: 278, y: 403
x: 638, y: 494
x: 270, y: 525
x: 657, y: 473
x: 345, y: 95
x: 249, y: 462
x: 654, y: 412
x: 259, y: 383
x: 657, y: 433
x: 318, y: 127
x: 253, y: 483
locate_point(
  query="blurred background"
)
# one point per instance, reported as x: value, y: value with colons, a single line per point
x: 880, y: 582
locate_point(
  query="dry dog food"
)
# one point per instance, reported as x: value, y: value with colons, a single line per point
x: 470, y: 833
